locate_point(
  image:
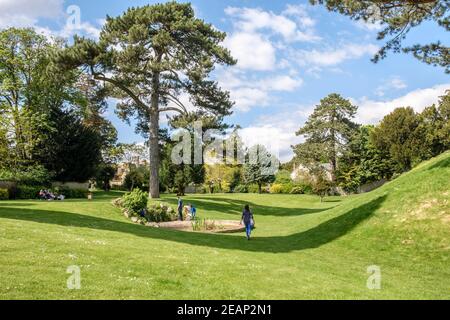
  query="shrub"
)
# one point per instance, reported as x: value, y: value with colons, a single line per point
x: 135, y: 201
x: 71, y: 193
x: 160, y: 213
x: 24, y: 192
x: 241, y: 188
x: 297, y: 190
x: 30, y: 176
x: 4, y: 194
x: 252, y: 188
x: 225, y: 186
x: 301, y: 188
x: 276, y: 188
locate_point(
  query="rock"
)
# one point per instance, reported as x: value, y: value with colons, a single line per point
x: 135, y: 219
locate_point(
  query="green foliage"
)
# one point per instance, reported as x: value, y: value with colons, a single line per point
x: 70, y: 193
x: 298, y: 190
x: 27, y: 192
x: 260, y: 167
x: 160, y: 213
x: 362, y: 162
x: 241, y: 188
x: 396, y: 134
x: 203, y: 225
x: 30, y: 175
x: 321, y: 185
x: 398, y: 18
x: 328, y: 130
x: 276, y: 188
x: 138, y: 177
x: 142, y: 55
x: 4, y: 194
x: 135, y: 201
x: 72, y: 150
x: 283, y: 176
x: 105, y: 173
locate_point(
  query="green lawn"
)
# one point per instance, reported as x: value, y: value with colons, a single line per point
x: 302, y: 249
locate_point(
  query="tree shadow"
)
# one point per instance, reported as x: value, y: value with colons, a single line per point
x: 235, y: 207
x: 322, y: 234
x: 444, y: 163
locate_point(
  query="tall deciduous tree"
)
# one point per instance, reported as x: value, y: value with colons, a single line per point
x: 399, y: 17
x: 260, y: 167
x: 396, y: 134
x: 150, y: 56
x: 327, y: 131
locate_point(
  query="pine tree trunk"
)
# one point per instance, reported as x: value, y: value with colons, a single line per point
x: 154, y: 156
x: 154, y: 138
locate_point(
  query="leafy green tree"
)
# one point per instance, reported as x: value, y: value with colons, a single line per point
x: 260, y: 167
x: 398, y: 18
x: 397, y: 134
x: 104, y: 174
x: 434, y: 129
x: 327, y: 131
x: 137, y: 178
x: 362, y: 162
x: 70, y: 149
x: 150, y: 56
x: 23, y: 61
x: 320, y: 184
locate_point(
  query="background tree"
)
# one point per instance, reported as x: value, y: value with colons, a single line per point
x: 71, y: 150
x: 399, y: 17
x: 327, y: 132
x: 362, y: 162
x: 149, y: 56
x: 395, y: 134
x: 260, y: 167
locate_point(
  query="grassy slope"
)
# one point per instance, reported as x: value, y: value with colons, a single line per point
x: 301, y: 249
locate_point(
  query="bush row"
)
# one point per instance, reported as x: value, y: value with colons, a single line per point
x: 26, y: 192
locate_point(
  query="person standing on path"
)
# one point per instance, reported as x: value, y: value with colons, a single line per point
x: 180, y: 209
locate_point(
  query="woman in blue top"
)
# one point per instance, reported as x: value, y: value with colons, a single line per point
x: 247, y: 218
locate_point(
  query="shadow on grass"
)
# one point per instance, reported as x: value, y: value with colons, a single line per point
x: 322, y: 234
x: 444, y: 163
x: 235, y: 207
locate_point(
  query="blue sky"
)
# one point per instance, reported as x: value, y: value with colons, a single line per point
x: 290, y: 54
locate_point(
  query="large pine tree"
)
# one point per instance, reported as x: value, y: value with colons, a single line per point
x: 327, y: 132
x: 150, y: 56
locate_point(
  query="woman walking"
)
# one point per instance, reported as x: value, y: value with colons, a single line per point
x: 249, y: 222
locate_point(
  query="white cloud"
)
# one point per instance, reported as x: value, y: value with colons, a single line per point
x: 329, y: 58
x: 249, y: 92
x: 371, y: 111
x: 393, y: 83
x: 25, y: 13
x: 277, y: 131
x: 250, y: 20
x: 252, y: 51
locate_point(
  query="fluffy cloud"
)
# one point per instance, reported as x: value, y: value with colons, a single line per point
x: 254, y: 19
x: 329, y: 58
x: 248, y: 92
x: 25, y: 13
x: 252, y: 51
x: 251, y: 40
x: 371, y: 111
x: 393, y: 83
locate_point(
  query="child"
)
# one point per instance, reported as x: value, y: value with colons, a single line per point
x: 193, y: 212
